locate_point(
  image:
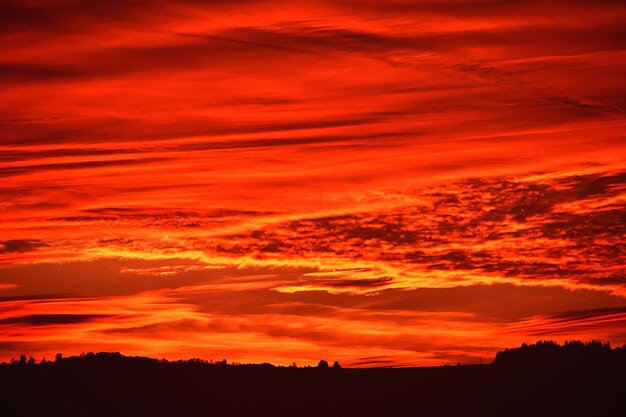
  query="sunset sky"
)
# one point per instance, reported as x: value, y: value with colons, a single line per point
x: 382, y: 183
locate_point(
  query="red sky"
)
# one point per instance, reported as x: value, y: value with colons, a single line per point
x: 379, y: 183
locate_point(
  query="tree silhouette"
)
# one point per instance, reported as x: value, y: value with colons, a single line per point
x: 550, y: 354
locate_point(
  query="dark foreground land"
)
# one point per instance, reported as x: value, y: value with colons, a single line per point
x: 537, y: 380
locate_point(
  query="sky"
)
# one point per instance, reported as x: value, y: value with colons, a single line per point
x: 398, y: 183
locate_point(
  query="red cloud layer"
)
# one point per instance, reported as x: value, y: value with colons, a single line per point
x: 155, y: 153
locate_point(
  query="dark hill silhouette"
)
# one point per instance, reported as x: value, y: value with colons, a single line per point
x: 544, y: 379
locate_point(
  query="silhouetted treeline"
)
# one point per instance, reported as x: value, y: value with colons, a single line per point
x: 520, y: 382
x: 551, y: 354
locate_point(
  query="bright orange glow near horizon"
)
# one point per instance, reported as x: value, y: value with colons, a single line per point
x: 411, y: 182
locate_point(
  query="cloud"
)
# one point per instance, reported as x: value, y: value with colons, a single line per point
x: 482, y: 8
x: 579, y: 315
x: 217, y: 179
x: 586, y: 323
x: 542, y: 231
x: 497, y: 227
x: 51, y: 319
x: 21, y: 245
x: 237, y: 318
x: 71, y: 15
x: 123, y: 128
x: 23, y: 170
